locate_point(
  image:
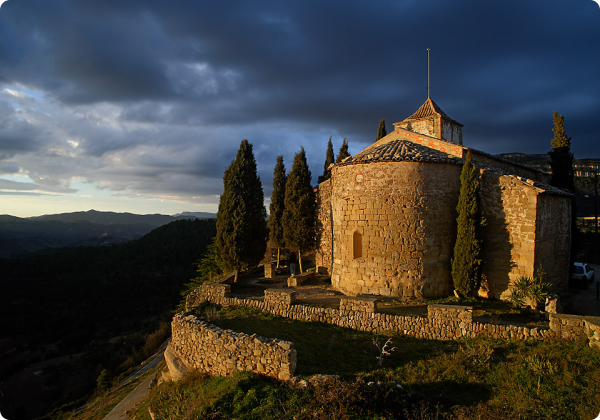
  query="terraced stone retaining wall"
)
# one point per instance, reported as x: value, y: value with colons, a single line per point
x: 207, y: 348
x: 573, y: 327
x: 444, y: 322
x: 197, y: 345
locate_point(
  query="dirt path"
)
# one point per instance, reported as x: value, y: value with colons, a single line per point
x: 136, y: 397
x: 139, y: 394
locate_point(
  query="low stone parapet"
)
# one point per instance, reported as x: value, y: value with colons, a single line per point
x: 270, y: 272
x: 574, y: 327
x: 443, y: 322
x: 322, y: 270
x: 297, y: 280
x: 356, y: 304
x: 217, y: 290
x: 450, y: 313
x: 280, y: 299
x: 199, y: 346
x: 212, y: 292
x: 568, y: 327
x: 592, y: 330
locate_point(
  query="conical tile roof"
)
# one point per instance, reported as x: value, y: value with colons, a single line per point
x: 428, y: 109
x: 402, y: 151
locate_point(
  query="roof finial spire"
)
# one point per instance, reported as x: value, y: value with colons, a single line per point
x: 427, y: 73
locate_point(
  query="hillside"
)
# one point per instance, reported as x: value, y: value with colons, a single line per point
x: 66, y: 313
x: 112, y: 218
x: 21, y: 236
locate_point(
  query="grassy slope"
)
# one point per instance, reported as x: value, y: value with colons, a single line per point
x: 478, y: 378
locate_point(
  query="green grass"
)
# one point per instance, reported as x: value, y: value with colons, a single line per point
x: 478, y: 378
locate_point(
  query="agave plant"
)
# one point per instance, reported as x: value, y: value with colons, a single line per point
x: 529, y: 291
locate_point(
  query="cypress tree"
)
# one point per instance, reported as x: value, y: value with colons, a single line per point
x: 561, y: 162
x: 300, y: 208
x: 329, y: 159
x: 561, y: 158
x: 381, y: 132
x: 466, y: 262
x: 241, y: 218
x: 277, y: 206
x: 343, y: 153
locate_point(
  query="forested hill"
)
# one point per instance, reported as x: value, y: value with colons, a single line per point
x: 73, y: 301
x: 20, y: 236
x: 112, y: 218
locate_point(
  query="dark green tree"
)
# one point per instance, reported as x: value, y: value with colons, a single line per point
x: 329, y: 159
x: 300, y: 208
x: 241, y: 218
x: 277, y: 206
x: 561, y: 162
x: 561, y: 158
x: 381, y: 132
x: 103, y: 381
x: 466, y: 262
x: 208, y: 267
x: 343, y: 153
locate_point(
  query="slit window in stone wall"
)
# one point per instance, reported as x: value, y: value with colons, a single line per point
x: 357, y: 245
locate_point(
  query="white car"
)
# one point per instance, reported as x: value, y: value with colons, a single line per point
x: 582, y: 272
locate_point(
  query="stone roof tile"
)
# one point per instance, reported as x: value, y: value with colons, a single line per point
x: 428, y: 109
x: 402, y: 151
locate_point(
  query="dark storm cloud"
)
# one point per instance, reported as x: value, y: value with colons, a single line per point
x: 154, y: 97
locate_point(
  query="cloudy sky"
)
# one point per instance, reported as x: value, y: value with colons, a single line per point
x: 139, y: 106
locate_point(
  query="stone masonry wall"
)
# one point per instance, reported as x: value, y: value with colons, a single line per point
x: 509, y: 208
x: 444, y: 322
x: 451, y: 132
x: 352, y: 304
x: 553, y: 238
x: 280, y: 299
x: 401, y: 212
x: 324, y: 232
x: 207, y: 292
x: 207, y: 348
x: 405, y: 215
x: 204, y: 347
x: 573, y: 327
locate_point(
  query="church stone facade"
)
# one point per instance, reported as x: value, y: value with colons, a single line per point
x: 387, y: 216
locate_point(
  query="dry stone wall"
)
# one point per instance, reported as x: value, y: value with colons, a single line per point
x: 207, y: 348
x: 199, y: 346
x: 352, y: 304
x: 444, y: 322
x: 574, y: 327
x: 207, y: 292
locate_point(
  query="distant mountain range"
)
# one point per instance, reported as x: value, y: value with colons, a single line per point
x: 20, y: 236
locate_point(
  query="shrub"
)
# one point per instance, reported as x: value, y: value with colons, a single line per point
x: 103, y: 380
x: 529, y: 291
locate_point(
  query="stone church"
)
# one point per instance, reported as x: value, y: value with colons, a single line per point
x: 387, y: 216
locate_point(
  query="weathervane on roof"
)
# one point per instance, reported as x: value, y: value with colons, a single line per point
x: 427, y: 73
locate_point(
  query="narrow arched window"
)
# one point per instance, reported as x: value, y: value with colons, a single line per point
x: 357, y: 244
